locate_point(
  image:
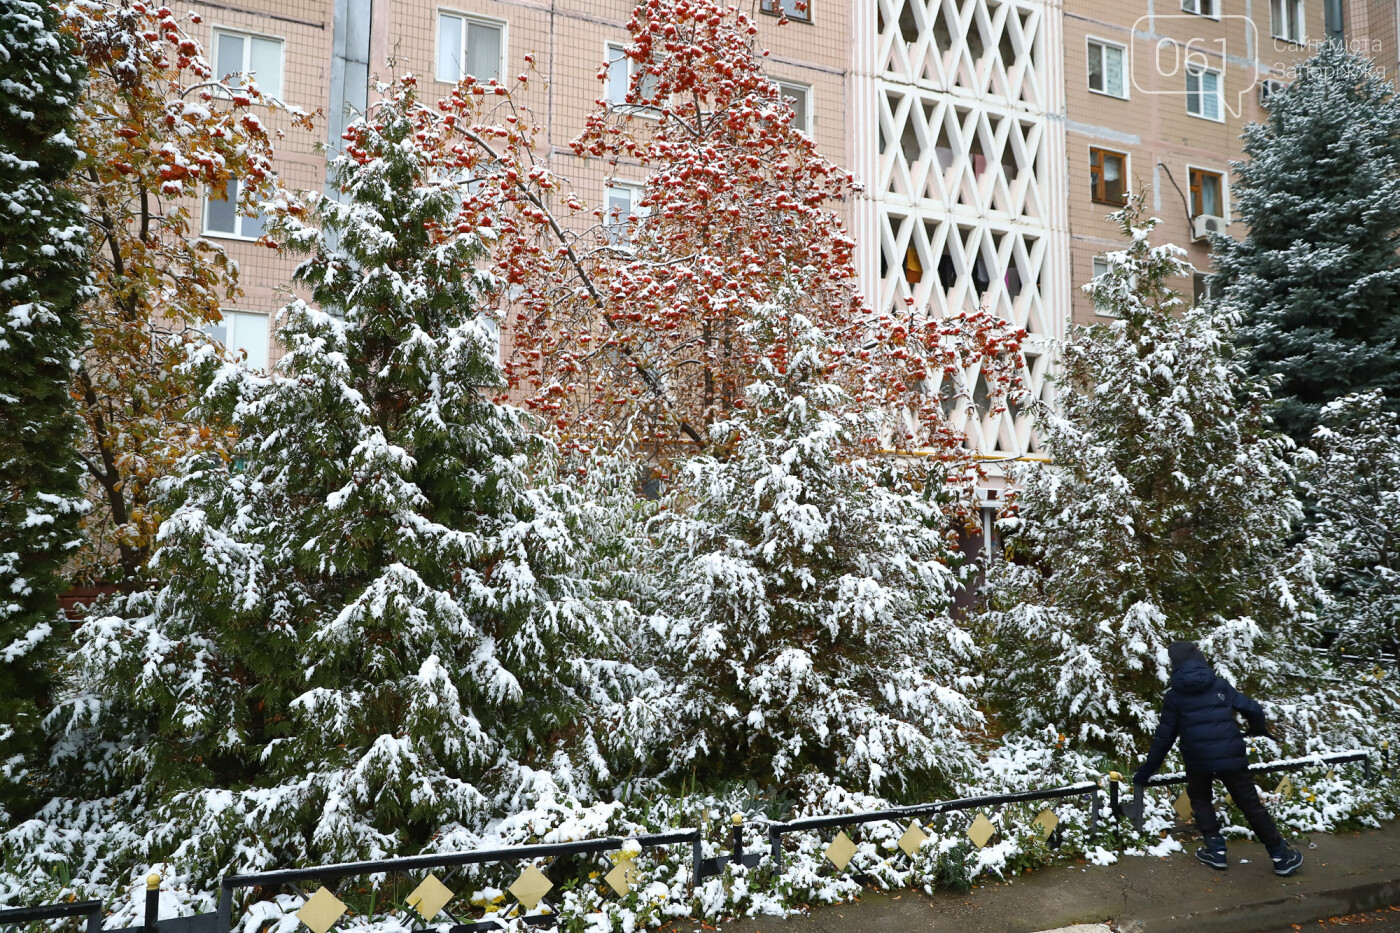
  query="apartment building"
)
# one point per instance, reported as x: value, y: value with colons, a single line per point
x: 1156, y: 98
x: 991, y: 136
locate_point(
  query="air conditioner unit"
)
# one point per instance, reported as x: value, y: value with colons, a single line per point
x: 1203, y: 225
x: 1268, y: 88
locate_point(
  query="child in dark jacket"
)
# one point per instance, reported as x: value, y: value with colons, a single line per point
x: 1200, y: 708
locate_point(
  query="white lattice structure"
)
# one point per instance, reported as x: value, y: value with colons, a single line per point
x: 963, y: 165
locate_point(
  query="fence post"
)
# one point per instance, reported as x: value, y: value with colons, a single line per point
x: 224, y: 916
x: 1366, y: 769
x: 1139, y: 804
x: 737, y: 856
x: 1114, y: 807
x: 775, y: 846
x: 696, y: 857
x: 1093, y: 812
x: 152, y: 901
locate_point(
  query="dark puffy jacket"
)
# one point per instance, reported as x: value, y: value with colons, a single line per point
x: 1200, y: 708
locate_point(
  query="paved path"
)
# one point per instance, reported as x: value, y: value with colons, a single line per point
x: 1343, y: 874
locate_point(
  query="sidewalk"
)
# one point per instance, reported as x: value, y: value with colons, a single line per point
x: 1343, y: 874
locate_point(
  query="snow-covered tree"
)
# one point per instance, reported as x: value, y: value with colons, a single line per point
x: 42, y: 283
x: 375, y: 630
x: 1165, y: 514
x: 1352, y: 482
x: 806, y: 625
x: 1316, y: 279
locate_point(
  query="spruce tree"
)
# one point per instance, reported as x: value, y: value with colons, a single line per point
x: 1316, y: 279
x: 1352, y: 481
x: 375, y: 630
x: 42, y: 249
x: 808, y: 580
x: 1165, y: 515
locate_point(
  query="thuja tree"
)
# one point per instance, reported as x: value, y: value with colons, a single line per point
x: 1316, y: 278
x: 1352, y: 482
x: 42, y: 283
x: 375, y: 633
x: 809, y: 579
x: 1166, y: 514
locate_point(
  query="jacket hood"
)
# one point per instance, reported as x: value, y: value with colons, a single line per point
x: 1179, y: 651
x: 1193, y: 676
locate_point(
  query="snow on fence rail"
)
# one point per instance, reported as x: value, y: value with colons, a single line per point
x: 429, y: 900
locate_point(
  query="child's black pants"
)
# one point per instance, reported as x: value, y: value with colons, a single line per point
x: 1240, y: 785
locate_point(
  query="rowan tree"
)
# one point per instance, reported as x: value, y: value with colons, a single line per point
x: 631, y: 328
x: 156, y: 131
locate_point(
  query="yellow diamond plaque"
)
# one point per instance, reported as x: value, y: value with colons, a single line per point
x: 841, y: 851
x: 622, y: 877
x: 1285, y: 787
x: 1045, y: 822
x: 531, y: 887
x: 321, y: 911
x: 1182, y: 805
x: 913, y: 837
x: 430, y: 897
x: 981, y: 831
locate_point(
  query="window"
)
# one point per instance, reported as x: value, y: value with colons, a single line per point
x: 800, y: 97
x: 1200, y: 7
x: 1107, y: 176
x: 620, y: 72
x: 1203, y: 288
x: 790, y: 8
x: 238, y: 55
x: 1286, y: 19
x: 1106, y: 69
x: 492, y: 327
x: 620, y: 206
x: 1101, y: 268
x: 1207, y: 193
x: 1204, y: 97
x: 223, y: 218
x: 245, y: 331
x: 468, y: 47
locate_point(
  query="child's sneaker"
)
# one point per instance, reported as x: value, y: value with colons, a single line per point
x: 1213, y: 853
x: 1286, y: 861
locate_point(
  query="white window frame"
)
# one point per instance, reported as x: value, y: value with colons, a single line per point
x: 805, y: 89
x: 1093, y: 274
x: 1089, y: 43
x: 239, y: 218
x: 1219, y: 94
x: 1224, y: 185
x: 467, y: 19
x: 1210, y: 294
x: 230, y: 315
x: 1194, y: 7
x: 1300, y: 21
x: 246, y: 36
x: 1103, y: 257
x: 635, y: 191
x: 611, y: 49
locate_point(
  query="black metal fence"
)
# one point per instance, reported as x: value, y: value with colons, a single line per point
x: 429, y: 902
x: 1136, y: 810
